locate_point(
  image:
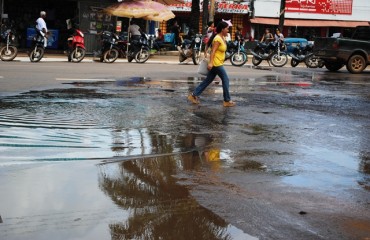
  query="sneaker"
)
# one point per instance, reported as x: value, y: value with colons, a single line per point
x: 229, y: 104
x: 193, y: 99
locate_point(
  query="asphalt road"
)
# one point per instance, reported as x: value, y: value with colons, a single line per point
x: 290, y: 161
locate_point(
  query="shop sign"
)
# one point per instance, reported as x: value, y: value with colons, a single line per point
x: 183, y: 7
x: 343, y: 7
x: 232, y: 8
x: 221, y: 7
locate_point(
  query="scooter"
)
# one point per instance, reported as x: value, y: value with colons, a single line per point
x: 236, y: 53
x: 191, y: 49
x: 305, y: 54
x: 39, y: 45
x: 272, y: 52
x: 76, y: 46
x: 9, y: 51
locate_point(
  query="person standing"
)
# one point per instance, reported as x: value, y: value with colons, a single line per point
x: 41, y: 27
x: 175, y: 29
x: 210, y: 30
x: 134, y: 31
x: 215, y: 67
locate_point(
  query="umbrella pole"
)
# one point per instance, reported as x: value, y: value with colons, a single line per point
x: 128, y: 35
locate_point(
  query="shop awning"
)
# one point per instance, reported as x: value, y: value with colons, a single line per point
x: 309, y: 22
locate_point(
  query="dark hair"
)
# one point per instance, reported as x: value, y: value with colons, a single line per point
x: 221, y: 25
x: 209, y: 23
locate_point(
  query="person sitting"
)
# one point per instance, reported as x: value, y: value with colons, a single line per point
x: 267, y: 37
x: 279, y: 36
x: 188, y: 39
x: 158, y: 42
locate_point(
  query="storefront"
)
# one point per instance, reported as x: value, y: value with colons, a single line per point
x: 23, y: 14
x: 238, y: 13
x: 311, y: 18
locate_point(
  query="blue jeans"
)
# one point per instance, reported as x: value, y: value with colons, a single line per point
x: 220, y: 71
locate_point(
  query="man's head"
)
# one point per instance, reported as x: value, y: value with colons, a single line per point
x: 42, y: 14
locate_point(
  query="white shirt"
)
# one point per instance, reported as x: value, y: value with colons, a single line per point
x: 40, y: 24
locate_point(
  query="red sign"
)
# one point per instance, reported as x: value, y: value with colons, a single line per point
x: 320, y: 6
x: 231, y: 8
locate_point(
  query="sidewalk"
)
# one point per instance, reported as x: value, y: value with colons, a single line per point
x: 169, y: 56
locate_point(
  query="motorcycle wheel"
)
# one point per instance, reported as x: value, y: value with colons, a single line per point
x: 36, y: 54
x: 256, y: 61
x: 238, y: 59
x: 182, y: 57
x: 142, y: 56
x: 279, y: 61
x: 294, y: 62
x: 8, y: 55
x: 77, y: 54
x: 312, y: 61
x: 111, y: 55
x: 196, y: 57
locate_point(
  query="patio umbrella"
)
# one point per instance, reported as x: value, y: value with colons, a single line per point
x: 164, y: 12
x: 170, y: 2
x: 132, y: 9
x: 146, y: 9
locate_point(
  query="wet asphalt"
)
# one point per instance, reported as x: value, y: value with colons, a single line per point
x: 115, y: 151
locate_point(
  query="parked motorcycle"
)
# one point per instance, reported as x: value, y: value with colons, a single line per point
x: 236, y: 53
x: 191, y: 49
x: 39, y: 45
x: 139, y: 49
x: 304, y: 54
x: 272, y: 52
x: 8, y: 51
x: 76, y: 46
x: 109, y: 47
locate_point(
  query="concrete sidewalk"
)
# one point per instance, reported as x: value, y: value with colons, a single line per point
x: 168, y: 57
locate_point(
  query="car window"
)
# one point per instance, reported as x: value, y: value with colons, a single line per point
x: 362, y: 34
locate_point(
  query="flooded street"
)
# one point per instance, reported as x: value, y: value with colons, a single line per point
x: 127, y: 157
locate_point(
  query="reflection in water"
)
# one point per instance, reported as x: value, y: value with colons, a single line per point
x: 157, y: 206
x: 365, y: 168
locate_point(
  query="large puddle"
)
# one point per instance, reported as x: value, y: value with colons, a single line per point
x: 144, y: 140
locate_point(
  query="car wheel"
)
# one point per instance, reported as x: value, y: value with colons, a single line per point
x: 356, y: 64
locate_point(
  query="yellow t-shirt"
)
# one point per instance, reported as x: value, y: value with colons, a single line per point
x: 220, y: 51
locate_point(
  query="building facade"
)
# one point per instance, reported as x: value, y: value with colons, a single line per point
x: 311, y: 18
